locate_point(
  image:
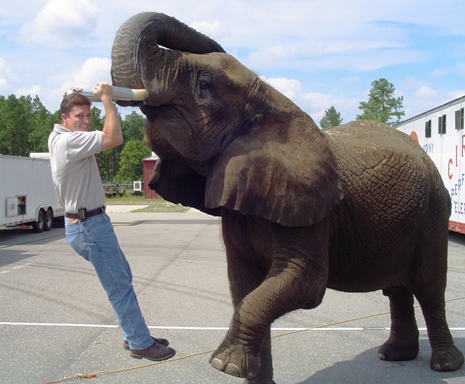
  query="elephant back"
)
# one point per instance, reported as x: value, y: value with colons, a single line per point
x: 386, y: 175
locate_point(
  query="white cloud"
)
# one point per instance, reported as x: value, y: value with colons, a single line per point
x: 318, y: 58
x: 461, y: 69
x: 85, y: 76
x: 456, y: 94
x: 289, y: 87
x: 351, y: 79
x: 210, y: 28
x: 425, y: 91
x: 318, y: 101
x: 437, y: 73
x: 271, y: 56
x: 363, y: 44
x: 92, y: 71
x: 5, y: 74
x: 61, y: 22
x: 33, y: 91
x: 3, y: 84
x: 315, y: 103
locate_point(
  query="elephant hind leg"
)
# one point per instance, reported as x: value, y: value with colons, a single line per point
x: 445, y: 355
x: 403, y: 340
x: 428, y: 286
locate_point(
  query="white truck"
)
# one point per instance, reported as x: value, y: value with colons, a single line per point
x: 27, y: 193
x: 440, y: 131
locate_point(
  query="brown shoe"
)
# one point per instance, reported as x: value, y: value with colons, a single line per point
x: 160, y: 341
x: 155, y: 352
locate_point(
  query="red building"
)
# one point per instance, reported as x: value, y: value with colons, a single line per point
x: 149, y: 164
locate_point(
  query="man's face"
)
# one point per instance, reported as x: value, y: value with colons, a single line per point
x: 79, y: 118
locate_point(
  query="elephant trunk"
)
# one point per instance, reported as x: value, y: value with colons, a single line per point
x: 136, y: 51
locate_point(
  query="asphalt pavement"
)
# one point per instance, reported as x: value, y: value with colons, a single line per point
x: 56, y: 324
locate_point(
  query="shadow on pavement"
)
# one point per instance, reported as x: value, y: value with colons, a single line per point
x: 365, y: 369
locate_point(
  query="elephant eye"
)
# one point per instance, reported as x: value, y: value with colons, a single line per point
x: 204, y: 90
x: 203, y: 84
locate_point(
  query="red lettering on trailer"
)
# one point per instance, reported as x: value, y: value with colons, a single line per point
x: 463, y: 144
x: 449, y: 174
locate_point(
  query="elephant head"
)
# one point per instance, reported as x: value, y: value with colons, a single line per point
x: 226, y: 139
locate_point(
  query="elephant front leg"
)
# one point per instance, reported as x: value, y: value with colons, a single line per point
x: 246, y: 350
x: 272, y: 270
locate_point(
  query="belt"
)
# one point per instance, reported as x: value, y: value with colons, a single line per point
x: 84, y: 213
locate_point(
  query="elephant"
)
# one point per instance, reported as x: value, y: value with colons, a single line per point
x: 356, y: 208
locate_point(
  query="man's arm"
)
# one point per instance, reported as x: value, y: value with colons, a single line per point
x: 112, y: 134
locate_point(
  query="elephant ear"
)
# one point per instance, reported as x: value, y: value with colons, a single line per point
x: 286, y: 174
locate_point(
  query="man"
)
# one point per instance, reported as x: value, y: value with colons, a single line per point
x: 88, y: 229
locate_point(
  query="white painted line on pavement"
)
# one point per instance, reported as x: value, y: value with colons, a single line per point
x: 207, y: 328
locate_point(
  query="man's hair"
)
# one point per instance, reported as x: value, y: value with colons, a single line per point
x: 71, y: 100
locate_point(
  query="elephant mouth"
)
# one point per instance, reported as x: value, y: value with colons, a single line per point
x: 132, y: 103
x: 165, y: 114
x: 149, y: 111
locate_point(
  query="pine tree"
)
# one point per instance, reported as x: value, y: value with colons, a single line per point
x: 381, y: 104
x: 331, y: 118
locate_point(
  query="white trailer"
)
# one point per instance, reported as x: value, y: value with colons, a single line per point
x: 27, y: 193
x: 440, y: 131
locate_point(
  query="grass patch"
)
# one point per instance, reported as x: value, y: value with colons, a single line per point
x: 156, y: 204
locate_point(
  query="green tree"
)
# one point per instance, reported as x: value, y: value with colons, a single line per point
x: 130, y: 165
x: 96, y: 123
x: 108, y: 160
x: 133, y: 126
x: 42, y: 124
x: 331, y: 118
x: 3, y: 127
x: 111, y: 160
x: 381, y: 104
x: 16, y: 125
x: 25, y: 125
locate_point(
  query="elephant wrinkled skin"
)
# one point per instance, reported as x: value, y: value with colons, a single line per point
x: 357, y: 208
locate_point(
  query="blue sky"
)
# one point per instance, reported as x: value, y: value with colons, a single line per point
x: 318, y: 53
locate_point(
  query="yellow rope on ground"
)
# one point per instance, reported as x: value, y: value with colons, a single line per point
x: 92, y: 375
x: 106, y: 372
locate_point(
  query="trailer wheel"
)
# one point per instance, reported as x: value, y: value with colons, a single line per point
x: 48, y: 222
x: 40, y: 223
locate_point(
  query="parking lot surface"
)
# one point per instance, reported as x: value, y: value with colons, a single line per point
x: 56, y: 322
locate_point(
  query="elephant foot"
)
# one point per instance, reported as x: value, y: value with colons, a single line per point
x: 235, y: 360
x: 391, y: 351
x: 446, y: 359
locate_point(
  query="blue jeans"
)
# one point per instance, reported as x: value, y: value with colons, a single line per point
x: 94, y: 239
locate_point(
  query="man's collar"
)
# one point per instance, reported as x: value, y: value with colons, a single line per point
x: 60, y: 129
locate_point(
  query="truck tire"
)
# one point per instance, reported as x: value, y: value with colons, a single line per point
x: 48, y: 222
x: 39, y: 225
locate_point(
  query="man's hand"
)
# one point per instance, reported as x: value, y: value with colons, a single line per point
x: 112, y: 135
x: 75, y: 89
x: 104, y: 91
